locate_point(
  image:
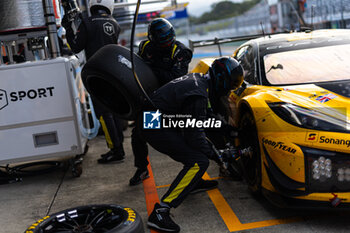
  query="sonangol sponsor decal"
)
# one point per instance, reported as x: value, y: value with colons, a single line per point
x: 312, y: 137
x: 334, y: 141
x: 279, y: 145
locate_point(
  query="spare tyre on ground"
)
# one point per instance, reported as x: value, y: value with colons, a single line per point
x: 103, y: 218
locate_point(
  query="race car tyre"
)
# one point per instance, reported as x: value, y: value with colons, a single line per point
x: 32, y: 168
x: 91, y: 218
x: 109, y: 79
x: 251, y: 164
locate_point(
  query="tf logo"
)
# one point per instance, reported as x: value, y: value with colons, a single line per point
x: 311, y: 137
x: 151, y: 120
x: 108, y: 28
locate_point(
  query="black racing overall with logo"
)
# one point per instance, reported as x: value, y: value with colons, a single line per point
x: 93, y: 33
x: 188, y: 96
x: 167, y: 64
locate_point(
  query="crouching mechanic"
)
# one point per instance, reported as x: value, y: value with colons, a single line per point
x: 169, y: 59
x: 93, y: 33
x: 188, y: 95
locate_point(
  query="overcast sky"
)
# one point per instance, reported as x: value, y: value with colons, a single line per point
x: 195, y: 7
x: 198, y: 7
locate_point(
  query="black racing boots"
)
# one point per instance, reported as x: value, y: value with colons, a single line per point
x: 160, y: 219
x: 139, y: 176
x: 112, y: 156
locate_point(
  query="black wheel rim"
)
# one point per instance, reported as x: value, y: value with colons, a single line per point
x: 88, y: 219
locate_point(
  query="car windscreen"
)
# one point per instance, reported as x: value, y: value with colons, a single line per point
x: 320, y: 64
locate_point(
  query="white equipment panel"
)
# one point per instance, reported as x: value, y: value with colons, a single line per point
x: 38, y: 113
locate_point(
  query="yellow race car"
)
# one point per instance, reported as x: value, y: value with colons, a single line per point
x: 293, y: 110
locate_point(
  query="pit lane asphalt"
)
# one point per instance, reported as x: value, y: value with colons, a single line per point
x: 230, y: 208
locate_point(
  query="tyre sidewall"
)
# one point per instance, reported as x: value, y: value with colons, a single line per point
x: 250, y: 137
x: 132, y: 222
x: 112, y: 65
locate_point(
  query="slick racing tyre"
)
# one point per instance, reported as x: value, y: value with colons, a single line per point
x: 251, y: 163
x: 109, y: 79
x: 32, y: 168
x: 90, y: 219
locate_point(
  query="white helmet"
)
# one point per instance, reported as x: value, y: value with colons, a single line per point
x: 109, y: 4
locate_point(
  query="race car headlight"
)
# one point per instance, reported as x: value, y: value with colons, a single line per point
x: 321, y: 167
x: 308, y: 118
x: 326, y: 171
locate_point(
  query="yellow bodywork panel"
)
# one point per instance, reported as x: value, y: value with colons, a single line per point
x: 203, y: 66
x: 282, y: 140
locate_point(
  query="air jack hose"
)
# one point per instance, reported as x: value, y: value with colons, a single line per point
x: 132, y: 53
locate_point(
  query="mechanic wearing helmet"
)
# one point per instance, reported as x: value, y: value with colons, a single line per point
x: 92, y: 34
x: 188, y: 95
x: 169, y: 59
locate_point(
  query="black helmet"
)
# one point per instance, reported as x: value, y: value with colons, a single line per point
x: 226, y: 74
x: 161, y: 32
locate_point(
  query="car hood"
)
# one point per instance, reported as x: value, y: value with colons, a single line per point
x: 340, y: 88
x: 331, y: 98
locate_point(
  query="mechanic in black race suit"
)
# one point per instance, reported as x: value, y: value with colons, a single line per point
x: 169, y: 59
x: 93, y: 33
x: 188, y: 95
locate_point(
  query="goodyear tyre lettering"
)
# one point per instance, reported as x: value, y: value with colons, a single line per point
x: 32, y: 227
x: 132, y: 214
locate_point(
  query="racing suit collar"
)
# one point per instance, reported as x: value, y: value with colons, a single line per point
x: 161, y: 49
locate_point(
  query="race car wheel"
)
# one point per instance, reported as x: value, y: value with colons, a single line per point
x: 33, y: 168
x: 251, y: 163
x: 91, y: 219
x: 109, y: 79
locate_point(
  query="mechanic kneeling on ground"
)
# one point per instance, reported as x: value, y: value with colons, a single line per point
x: 92, y: 34
x: 188, y: 95
x: 169, y: 59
